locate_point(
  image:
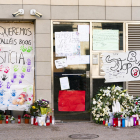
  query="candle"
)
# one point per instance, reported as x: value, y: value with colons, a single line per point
x: 51, y: 119
x: 19, y: 119
x: 139, y: 121
x: 131, y: 121
x: 6, y: 119
x: 32, y: 119
x: 109, y: 124
x: 103, y: 122
x: 123, y: 122
x: 126, y: 122
x: 134, y: 119
x: 119, y: 123
x: 106, y: 124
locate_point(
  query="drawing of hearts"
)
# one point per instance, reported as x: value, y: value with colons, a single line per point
x: 29, y: 99
x: 32, y: 95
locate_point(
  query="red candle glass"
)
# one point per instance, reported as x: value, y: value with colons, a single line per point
x: 51, y: 119
x: 6, y: 119
x: 137, y: 122
x: 103, y: 122
x: 19, y: 119
x: 115, y: 122
x: 34, y: 121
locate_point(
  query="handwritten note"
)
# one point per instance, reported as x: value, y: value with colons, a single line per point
x: 75, y: 60
x: 64, y: 83
x: 61, y: 63
x: 105, y: 39
x: 67, y: 44
x: 119, y: 67
x: 83, y: 31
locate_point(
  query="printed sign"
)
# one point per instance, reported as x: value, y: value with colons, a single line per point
x: 105, y: 39
x: 67, y: 44
x: 83, y: 31
x: 76, y: 60
x: 119, y: 67
x: 16, y: 62
x: 64, y: 83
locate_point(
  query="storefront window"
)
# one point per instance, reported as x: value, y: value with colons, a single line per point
x: 107, y: 36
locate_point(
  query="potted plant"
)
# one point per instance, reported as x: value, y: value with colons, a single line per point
x: 1, y: 118
x: 27, y: 117
x: 12, y: 120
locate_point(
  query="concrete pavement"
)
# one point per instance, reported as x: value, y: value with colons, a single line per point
x: 62, y: 131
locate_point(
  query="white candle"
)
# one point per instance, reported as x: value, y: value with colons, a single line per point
x: 139, y: 121
x: 131, y: 120
x: 119, y: 123
x: 32, y: 119
x: 126, y: 123
x: 129, y: 124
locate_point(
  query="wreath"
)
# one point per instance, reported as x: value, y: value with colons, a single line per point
x: 103, y: 101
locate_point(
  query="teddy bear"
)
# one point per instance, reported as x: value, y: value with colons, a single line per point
x: 21, y: 99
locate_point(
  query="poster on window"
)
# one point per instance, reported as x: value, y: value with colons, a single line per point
x: 105, y: 39
x: 16, y: 64
x: 67, y: 44
x: 121, y: 67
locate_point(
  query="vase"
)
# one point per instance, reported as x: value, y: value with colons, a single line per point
x: 26, y: 121
x: 43, y: 110
x: 13, y: 121
x: 0, y: 121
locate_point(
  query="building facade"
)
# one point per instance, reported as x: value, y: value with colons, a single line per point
x: 65, y: 16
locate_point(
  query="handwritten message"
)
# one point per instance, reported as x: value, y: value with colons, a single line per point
x: 16, y: 62
x: 67, y: 44
x: 123, y: 66
x: 105, y: 39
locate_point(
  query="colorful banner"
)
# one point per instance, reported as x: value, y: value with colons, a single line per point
x: 119, y: 67
x: 16, y: 63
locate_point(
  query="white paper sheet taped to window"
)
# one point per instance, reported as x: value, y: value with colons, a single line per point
x: 81, y: 59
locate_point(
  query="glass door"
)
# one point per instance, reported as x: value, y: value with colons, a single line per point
x: 71, y: 65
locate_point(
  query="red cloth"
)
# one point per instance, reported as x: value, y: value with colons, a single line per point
x: 71, y: 100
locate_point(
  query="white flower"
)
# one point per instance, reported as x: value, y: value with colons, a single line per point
x: 103, y: 114
x: 117, y: 93
x: 96, y: 118
x: 101, y: 97
x: 103, y: 94
x: 94, y: 102
x: 108, y: 87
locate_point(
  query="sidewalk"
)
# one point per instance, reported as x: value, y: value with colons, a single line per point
x: 62, y: 131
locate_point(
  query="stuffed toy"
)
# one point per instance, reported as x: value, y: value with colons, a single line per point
x: 21, y: 99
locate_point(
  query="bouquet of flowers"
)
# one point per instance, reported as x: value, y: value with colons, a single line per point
x: 27, y: 116
x: 43, y: 103
x: 12, y: 118
x: 118, y: 114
